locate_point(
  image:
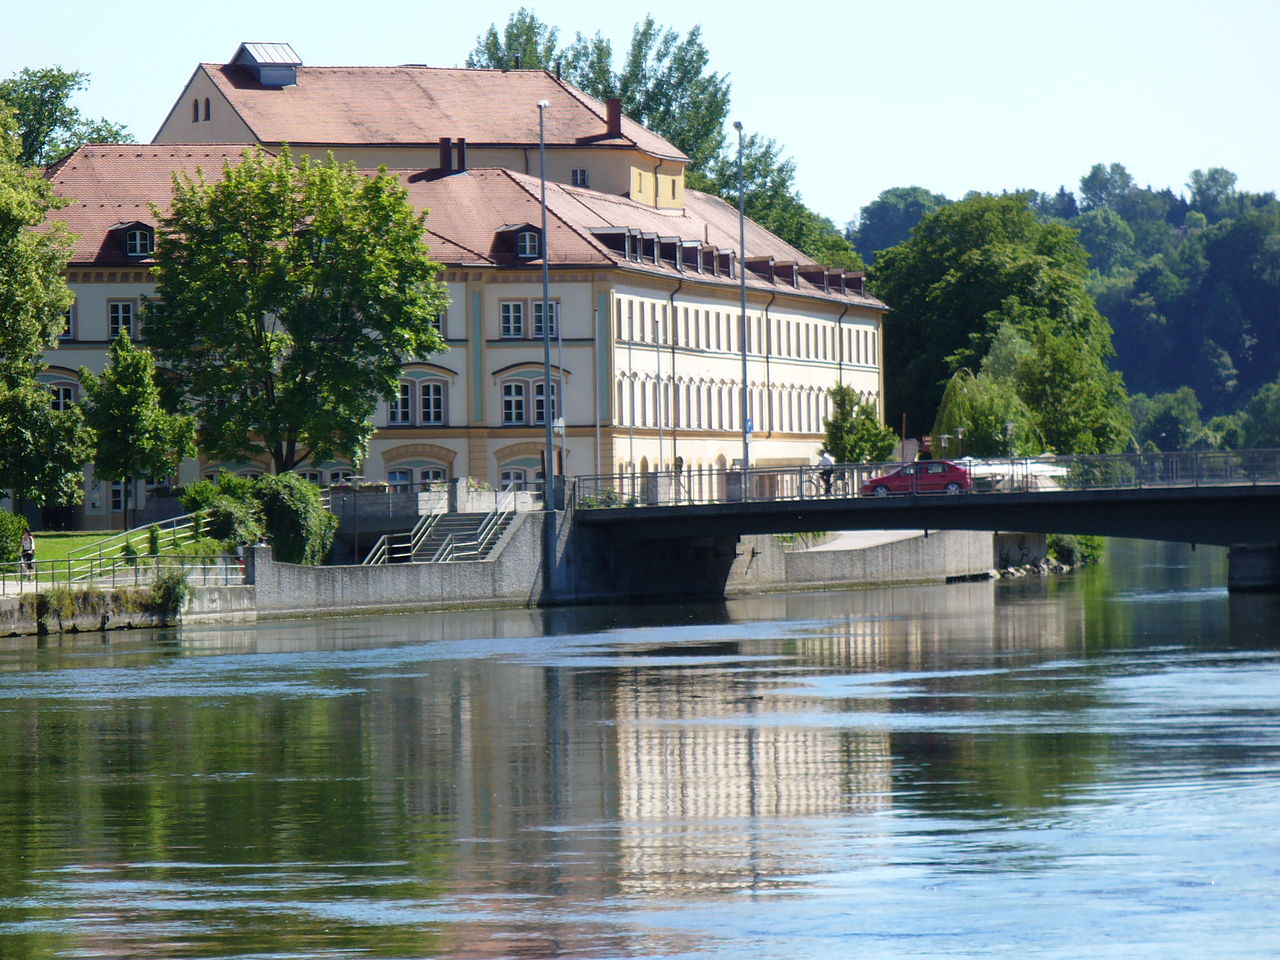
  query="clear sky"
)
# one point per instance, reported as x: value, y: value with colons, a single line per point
x: 986, y: 95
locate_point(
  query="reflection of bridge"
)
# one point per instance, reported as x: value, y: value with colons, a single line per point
x: 1232, y: 499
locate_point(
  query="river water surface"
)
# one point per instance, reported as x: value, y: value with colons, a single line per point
x: 1084, y: 766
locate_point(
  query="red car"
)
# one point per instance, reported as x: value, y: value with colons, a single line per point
x: 923, y: 476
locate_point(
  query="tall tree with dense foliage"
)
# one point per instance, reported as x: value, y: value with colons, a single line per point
x: 889, y: 219
x: 983, y: 416
x: 135, y: 435
x: 968, y: 270
x: 854, y: 433
x: 289, y: 295
x: 49, y: 126
x: 42, y: 450
x: 663, y: 80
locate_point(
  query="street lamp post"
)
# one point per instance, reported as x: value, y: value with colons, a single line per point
x: 742, y: 290
x: 549, y: 469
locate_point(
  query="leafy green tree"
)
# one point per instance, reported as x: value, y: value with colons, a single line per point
x: 1103, y: 185
x: 983, y: 416
x: 1107, y: 237
x: 525, y: 43
x: 1167, y: 421
x: 135, y: 435
x: 42, y: 450
x: 49, y: 127
x: 663, y: 82
x: 969, y: 269
x: 1260, y: 421
x: 854, y: 433
x: 1213, y: 193
x: 289, y: 297
x: 1058, y: 206
x: 771, y: 200
x: 889, y: 219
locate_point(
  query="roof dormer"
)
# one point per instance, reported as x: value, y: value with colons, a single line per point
x: 135, y: 238
x: 272, y: 64
x: 524, y: 240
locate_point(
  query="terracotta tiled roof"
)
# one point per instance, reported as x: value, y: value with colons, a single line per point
x: 467, y: 212
x: 471, y: 208
x: 114, y: 184
x: 416, y: 104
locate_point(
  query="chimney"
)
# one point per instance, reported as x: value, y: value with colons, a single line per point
x: 516, y: 58
x: 446, y: 156
x: 613, y: 117
x: 557, y: 69
x: 462, y: 155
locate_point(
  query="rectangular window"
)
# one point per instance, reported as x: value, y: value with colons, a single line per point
x: 117, y: 497
x: 401, y: 404
x: 553, y: 307
x: 433, y: 402
x: 579, y: 178
x: 513, y: 403
x: 437, y: 322
x: 512, y: 314
x: 400, y: 480
x: 120, y: 317
x: 539, y: 401
x: 68, y: 324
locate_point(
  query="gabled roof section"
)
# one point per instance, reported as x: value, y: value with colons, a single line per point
x: 111, y: 186
x: 414, y: 105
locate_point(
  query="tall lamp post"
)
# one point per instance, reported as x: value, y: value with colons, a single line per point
x: 549, y: 469
x: 742, y: 289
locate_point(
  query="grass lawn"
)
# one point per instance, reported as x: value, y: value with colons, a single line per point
x: 55, y: 545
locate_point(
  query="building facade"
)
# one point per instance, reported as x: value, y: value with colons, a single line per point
x: 648, y: 343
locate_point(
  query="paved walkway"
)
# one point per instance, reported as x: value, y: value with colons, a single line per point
x: 862, y: 539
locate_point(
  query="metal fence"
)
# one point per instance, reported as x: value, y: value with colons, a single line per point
x: 110, y: 573
x: 988, y: 476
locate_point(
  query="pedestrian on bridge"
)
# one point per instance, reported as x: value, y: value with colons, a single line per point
x: 827, y: 467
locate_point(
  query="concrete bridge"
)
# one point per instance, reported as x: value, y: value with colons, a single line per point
x: 1229, y: 499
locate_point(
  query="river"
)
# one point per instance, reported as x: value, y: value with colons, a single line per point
x: 1086, y: 765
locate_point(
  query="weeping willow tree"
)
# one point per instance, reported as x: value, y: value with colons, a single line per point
x: 983, y: 416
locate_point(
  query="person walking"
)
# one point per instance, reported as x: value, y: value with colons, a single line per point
x: 826, y: 467
x: 28, y: 552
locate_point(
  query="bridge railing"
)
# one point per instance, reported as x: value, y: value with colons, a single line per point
x: 1000, y: 475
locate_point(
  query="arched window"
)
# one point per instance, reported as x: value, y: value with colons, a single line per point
x: 195, y: 111
x: 206, y: 108
x: 400, y: 479
x: 539, y: 401
x: 513, y: 403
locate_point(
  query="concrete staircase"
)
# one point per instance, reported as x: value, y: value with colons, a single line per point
x: 463, y: 536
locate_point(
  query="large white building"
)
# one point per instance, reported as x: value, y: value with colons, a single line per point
x: 644, y: 275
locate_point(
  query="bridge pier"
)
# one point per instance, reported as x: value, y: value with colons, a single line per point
x: 1253, y: 567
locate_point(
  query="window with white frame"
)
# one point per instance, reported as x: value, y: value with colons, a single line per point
x: 539, y: 401
x: 512, y: 478
x: 68, y: 324
x: 400, y: 479
x: 579, y: 177
x: 432, y: 474
x: 312, y: 476
x: 341, y: 475
x: 553, y: 311
x: 120, y: 317
x: 433, y: 394
x: 139, y: 242
x: 401, y: 405
x: 511, y: 313
x: 437, y: 322
x: 63, y: 395
x: 527, y: 243
x: 117, y: 496
x: 513, y: 397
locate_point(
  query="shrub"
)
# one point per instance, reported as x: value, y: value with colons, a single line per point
x: 1075, y: 550
x: 235, y: 522
x: 153, y: 540
x: 169, y: 594
x: 11, y: 528
x: 298, y: 526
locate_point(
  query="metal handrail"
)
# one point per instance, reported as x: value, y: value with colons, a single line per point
x: 484, y: 533
x: 16, y: 578
x: 383, y: 550
x: 994, y: 475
